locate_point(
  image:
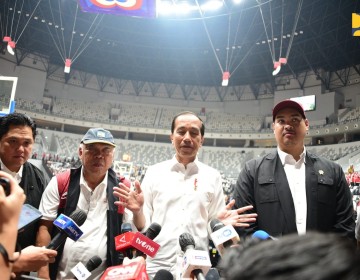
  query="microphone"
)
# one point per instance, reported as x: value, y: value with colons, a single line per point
x: 163, y: 274
x: 69, y: 227
x: 213, y: 274
x: 195, y: 262
x: 126, y: 227
x: 262, y: 235
x: 131, y: 271
x: 223, y: 236
x: 153, y: 231
x: 82, y: 272
x: 130, y: 241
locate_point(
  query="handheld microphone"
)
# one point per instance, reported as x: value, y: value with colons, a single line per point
x: 195, y: 262
x: 163, y: 274
x: 69, y: 227
x: 131, y: 241
x: 131, y: 271
x: 82, y: 272
x: 223, y: 236
x: 126, y: 227
x: 262, y: 235
x: 153, y: 231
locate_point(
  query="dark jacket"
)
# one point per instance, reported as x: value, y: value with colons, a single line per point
x: 33, y: 184
x: 114, y: 219
x: 263, y: 184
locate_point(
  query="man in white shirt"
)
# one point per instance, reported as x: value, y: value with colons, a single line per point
x: 183, y: 195
x: 90, y: 189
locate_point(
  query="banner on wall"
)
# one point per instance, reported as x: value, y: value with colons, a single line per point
x: 137, y: 8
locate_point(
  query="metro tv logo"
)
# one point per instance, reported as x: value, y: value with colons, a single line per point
x: 356, y: 24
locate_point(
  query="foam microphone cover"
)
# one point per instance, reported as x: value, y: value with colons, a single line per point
x: 79, y: 217
x: 163, y: 274
x: 215, y: 224
x: 186, y: 241
x: 126, y: 227
x: 153, y: 231
x: 93, y: 263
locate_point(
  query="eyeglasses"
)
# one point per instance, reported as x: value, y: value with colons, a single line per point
x: 94, y: 151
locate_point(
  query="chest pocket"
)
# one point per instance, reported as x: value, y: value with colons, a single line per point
x: 326, y: 190
x: 267, y: 191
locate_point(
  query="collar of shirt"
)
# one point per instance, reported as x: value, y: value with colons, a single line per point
x: 99, y: 188
x: 191, y: 168
x: 289, y: 159
x: 16, y: 175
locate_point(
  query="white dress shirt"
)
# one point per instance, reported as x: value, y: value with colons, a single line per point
x: 180, y: 200
x: 295, y: 174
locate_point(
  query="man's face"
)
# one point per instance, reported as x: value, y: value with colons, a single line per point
x: 96, y: 158
x: 187, y: 138
x: 290, y: 129
x: 16, y: 146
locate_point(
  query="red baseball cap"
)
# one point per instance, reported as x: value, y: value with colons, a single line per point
x: 288, y: 103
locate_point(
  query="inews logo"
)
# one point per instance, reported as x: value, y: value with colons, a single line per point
x: 356, y: 24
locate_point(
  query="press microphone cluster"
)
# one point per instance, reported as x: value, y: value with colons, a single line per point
x: 195, y: 262
x: 133, y: 245
x: 223, y: 236
x: 68, y: 227
x: 82, y: 272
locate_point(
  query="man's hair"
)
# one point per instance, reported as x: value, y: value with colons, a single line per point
x: 316, y: 256
x: 16, y: 119
x: 202, y: 128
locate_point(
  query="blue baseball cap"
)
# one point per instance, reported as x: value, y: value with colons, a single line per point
x: 98, y: 135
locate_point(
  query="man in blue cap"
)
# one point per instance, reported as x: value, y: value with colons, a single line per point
x: 89, y: 188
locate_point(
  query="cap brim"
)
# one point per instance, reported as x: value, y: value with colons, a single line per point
x: 288, y: 104
x: 98, y: 141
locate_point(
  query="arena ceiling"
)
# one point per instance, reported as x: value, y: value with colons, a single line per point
x: 244, y: 39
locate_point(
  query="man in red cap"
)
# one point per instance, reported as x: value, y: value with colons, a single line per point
x: 291, y: 189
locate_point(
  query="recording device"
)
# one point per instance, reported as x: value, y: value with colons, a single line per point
x: 223, y: 236
x: 195, y: 262
x: 262, y: 235
x: 153, y: 231
x: 82, y: 272
x: 131, y: 271
x: 163, y: 274
x: 69, y: 227
x: 5, y: 183
x: 29, y: 214
x: 130, y: 241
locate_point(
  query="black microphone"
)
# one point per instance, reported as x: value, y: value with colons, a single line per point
x: 91, y: 265
x: 195, y: 261
x: 69, y: 227
x: 163, y: 274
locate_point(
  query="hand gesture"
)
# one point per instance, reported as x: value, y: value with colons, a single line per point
x: 235, y: 217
